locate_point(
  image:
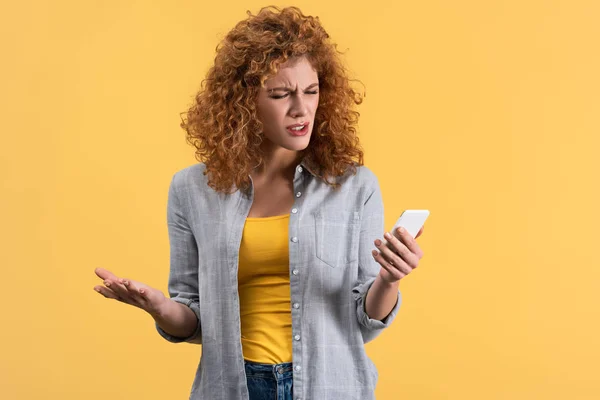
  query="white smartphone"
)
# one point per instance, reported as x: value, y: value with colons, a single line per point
x: 412, y: 221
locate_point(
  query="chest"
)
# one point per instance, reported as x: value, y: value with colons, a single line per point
x: 272, y: 199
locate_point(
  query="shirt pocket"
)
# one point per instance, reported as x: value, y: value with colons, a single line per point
x: 336, y: 237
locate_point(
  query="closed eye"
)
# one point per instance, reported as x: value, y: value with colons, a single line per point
x: 287, y: 94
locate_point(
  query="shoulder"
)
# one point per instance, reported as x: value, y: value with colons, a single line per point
x: 364, y: 178
x: 367, y: 176
x: 190, y: 176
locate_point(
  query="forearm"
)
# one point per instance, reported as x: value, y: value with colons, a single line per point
x: 176, y: 319
x: 381, y: 298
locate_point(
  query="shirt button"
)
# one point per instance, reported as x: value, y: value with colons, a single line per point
x: 299, y: 169
x: 298, y: 194
x: 298, y: 368
x: 295, y: 239
x: 295, y: 272
x: 297, y: 337
x: 294, y: 210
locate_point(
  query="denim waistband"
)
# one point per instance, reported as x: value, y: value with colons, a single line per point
x: 279, y: 371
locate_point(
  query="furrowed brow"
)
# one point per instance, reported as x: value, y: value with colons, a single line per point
x: 287, y: 89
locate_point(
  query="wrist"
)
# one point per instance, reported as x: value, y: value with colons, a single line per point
x: 385, y: 282
x: 161, y: 310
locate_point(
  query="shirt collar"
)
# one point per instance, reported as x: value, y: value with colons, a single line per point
x: 306, y: 163
x: 310, y: 166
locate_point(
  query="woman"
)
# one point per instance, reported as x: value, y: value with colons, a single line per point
x: 271, y: 267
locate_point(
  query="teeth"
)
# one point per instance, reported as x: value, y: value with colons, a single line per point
x: 299, y: 128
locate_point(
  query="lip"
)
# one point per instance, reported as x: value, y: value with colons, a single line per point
x: 295, y: 125
x: 301, y: 132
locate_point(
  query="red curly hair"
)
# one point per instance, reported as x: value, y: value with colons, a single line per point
x: 223, y: 125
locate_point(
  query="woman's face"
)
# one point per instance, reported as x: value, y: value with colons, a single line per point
x: 288, y: 99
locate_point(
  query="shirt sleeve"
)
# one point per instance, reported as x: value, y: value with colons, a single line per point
x: 183, y: 272
x: 372, y: 227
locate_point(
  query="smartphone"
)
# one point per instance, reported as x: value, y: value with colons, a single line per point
x: 412, y: 221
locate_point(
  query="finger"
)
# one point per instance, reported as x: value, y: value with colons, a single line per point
x: 409, y: 243
x: 394, y: 272
x: 138, y: 294
x: 118, y: 288
x: 397, y: 246
x: 107, y: 275
x: 114, y: 280
x: 397, y: 252
x: 109, y: 294
x: 392, y: 258
x: 104, y: 273
x: 420, y: 232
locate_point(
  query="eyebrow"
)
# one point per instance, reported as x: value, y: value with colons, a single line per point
x: 287, y: 89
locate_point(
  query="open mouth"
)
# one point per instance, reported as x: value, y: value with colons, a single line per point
x: 298, y: 131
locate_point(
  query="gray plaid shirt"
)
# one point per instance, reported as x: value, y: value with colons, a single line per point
x: 331, y: 268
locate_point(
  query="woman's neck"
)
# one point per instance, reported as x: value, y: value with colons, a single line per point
x: 278, y: 165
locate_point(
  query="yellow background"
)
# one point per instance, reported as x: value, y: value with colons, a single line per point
x: 484, y: 112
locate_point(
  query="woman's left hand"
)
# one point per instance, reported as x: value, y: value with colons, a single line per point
x: 399, y: 257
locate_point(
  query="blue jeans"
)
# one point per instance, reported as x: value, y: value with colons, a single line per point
x: 269, y: 381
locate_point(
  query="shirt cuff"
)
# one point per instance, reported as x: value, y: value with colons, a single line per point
x: 360, y: 295
x: 195, y: 337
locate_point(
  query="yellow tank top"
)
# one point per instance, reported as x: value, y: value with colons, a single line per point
x: 264, y: 289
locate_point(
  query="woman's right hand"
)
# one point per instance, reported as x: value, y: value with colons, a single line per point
x: 130, y: 292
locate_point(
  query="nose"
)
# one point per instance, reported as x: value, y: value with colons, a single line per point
x: 298, y: 107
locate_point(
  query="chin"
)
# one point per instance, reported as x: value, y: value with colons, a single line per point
x: 297, y: 145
